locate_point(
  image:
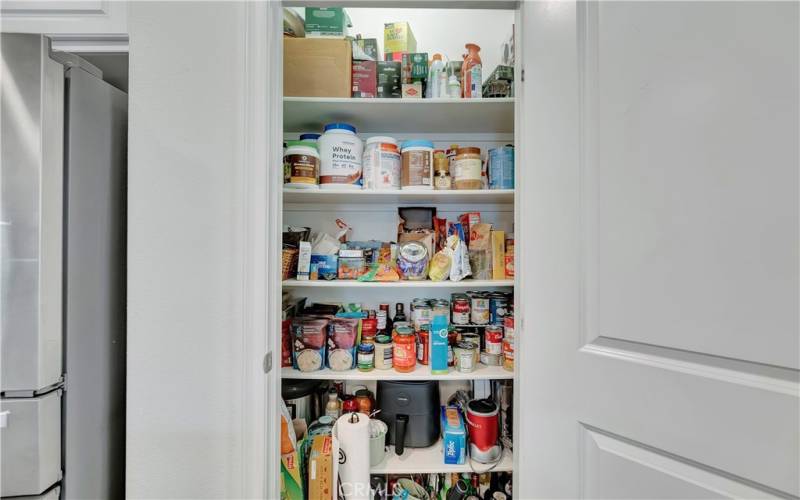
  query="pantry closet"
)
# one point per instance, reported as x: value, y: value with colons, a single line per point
x: 367, y: 217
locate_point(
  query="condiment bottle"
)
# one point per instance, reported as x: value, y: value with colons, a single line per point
x: 332, y: 407
x: 471, y: 76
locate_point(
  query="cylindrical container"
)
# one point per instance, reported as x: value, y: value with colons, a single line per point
x: 467, y: 169
x: 377, y: 441
x: 349, y: 405
x: 441, y: 307
x: 451, y: 158
x: 491, y: 359
x: 479, y: 304
x: 471, y: 74
x: 493, y: 339
x: 423, y: 337
x: 508, y: 323
x: 452, y: 340
x: 301, y: 166
x: 501, y: 168
x: 417, y: 163
x: 310, y: 136
x: 364, y: 400
x: 461, y: 309
x: 404, y: 350
x: 369, y: 328
x: 340, y: 152
x: 498, y: 306
x: 466, y: 357
x: 412, y: 261
x: 471, y: 337
x: 483, y: 429
x: 421, y: 313
x: 366, y: 357
x: 383, y: 352
x: 381, y: 163
x: 508, y: 353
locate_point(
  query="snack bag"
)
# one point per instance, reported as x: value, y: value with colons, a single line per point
x: 480, y: 251
x: 460, y: 267
x: 309, y: 336
x: 439, y: 268
x: 342, y: 337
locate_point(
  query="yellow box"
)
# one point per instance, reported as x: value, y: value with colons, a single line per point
x: 397, y: 37
x: 498, y: 255
x: 320, y: 468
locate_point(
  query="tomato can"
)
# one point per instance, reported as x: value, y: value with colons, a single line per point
x: 461, y: 310
x: 493, y: 339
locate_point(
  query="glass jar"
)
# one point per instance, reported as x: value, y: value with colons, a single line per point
x: 364, y: 400
x: 366, y: 357
x: 404, y: 350
x: 467, y: 168
x: 383, y: 352
x: 412, y: 261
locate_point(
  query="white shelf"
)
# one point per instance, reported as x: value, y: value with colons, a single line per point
x: 307, y: 196
x: 421, y: 372
x: 422, y: 116
x: 430, y: 460
x: 467, y: 283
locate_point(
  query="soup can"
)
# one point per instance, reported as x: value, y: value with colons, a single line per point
x: 498, y: 306
x: 461, y: 309
x: 501, y: 168
x: 508, y: 323
x: 508, y: 353
x: 491, y: 359
x: 465, y: 354
x: 493, y: 339
x: 421, y: 313
x: 479, y: 304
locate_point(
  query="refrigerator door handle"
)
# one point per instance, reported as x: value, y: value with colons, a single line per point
x: 4, y: 419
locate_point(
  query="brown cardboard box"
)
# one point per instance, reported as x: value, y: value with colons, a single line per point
x: 320, y: 468
x: 316, y: 67
x: 498, y: 255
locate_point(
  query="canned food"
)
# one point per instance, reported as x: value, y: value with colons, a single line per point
x: 491, y: 359
x: 452, y: 340
x: 508, y: 353
x: 498, y: 306
x: 421, y: 314
x: 471, y: 337
x: 508, y: 322
x: 441, y: 307
x: 493, y: 339
x: 461, y: 310
x: 480, y: 309
x: 383, y: 352
x: 465, y: 354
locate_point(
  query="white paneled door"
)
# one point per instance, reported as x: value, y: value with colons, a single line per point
x: 660, y: 300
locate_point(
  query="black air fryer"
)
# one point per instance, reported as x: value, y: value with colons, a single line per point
x: 411, y: 410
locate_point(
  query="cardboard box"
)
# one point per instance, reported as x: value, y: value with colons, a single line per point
x: 498, y: 255
x: 304, y: 261
x: 394, y: 56
x: 388, y: 79
x: 454, y: 436
x: 365, y: 49
x: 291, y: 482
x: 315, y: 67
x: 412, y: 90
x: 398, y: 37
x: 365, y: 79
x: 320, y: 468
x: 415, y: 67
x: 330, y: 22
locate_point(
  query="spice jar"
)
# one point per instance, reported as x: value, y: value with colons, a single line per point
x: 441, y: 169
x: 467, y: 168
x: 404, y: 350
x: 417, y: 165
x: 383, y: 352
x: 366, y: 357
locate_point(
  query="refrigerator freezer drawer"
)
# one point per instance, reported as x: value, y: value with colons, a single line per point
x: 30, y: 445
x: 31, y: 215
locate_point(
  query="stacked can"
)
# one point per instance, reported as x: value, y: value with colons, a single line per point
x: 508, y: 339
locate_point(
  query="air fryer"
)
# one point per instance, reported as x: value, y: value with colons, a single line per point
x: 411, y: 411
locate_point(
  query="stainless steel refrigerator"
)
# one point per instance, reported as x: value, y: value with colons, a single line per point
x: 63, y: 139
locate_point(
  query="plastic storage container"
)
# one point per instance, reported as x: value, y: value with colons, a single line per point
x: 301, y: 165
x: 417, y: 161
x: 467, y: 169
x: 381, y: 163
x: 340, y: 152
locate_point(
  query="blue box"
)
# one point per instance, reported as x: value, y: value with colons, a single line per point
x: 327, y: 265
x: 454, y: 436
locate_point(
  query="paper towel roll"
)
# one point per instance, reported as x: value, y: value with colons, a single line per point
x: 352, y: 431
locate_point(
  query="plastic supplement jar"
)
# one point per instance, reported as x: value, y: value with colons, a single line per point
x: 301, y: 166
x: 417, y: 160
x: 340, y: 152
x: 467, y: 169
x: 381, y: 163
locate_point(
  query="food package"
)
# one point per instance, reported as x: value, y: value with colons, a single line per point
x: 286, y: 343
x: 388, y: 79
x: 304, y: 261
x: 480, y: 251
x: 415, y: 67
x: 440, y: 232
x: 342, y: 343
x: 460, y: 267
x: 326, y: 22
x: 325, y: 244
x: 365, y: 49
x: 316, y: 67
x: 352, y: 264
x: 498, y: 255
x: 385, y: 267
x: 320, y: 468
x: 468, y: 220
x: 412, y: 90
x: 291, y: 478
x: 441, y: 262
x: 509, y: 256
x: 398, y: 37
x: 310, y: 335
x: 365, y: 79
x: 327, y: 266
x: 454, y: 436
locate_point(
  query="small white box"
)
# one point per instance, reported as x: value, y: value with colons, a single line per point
x: 304, y: 261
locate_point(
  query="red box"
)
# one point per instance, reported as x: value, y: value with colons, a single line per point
x: 365, y: 79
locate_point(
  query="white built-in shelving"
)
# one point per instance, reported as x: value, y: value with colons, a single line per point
x: 421, y: 372
x: 467, y: 284
x: 358, y: 196
x: 430, y: 460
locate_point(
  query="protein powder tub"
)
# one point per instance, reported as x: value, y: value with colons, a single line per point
x: 340, y: 152
x: 301, y: 166
x: 467, y: 169
x: 381, y: 163
x: 417, y: 159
